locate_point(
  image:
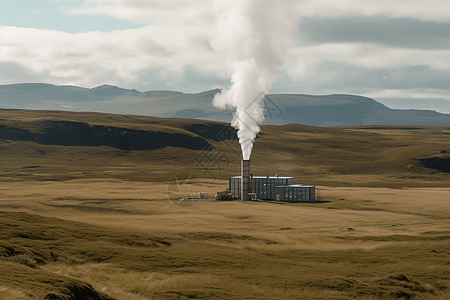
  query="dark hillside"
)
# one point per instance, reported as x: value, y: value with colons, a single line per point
x: 118, y: 134
x: 36, y: 92
x: 67, y: 133
x: 324, y: 110
x: 52, y: 145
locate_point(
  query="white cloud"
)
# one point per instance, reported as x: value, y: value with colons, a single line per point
x: 421, y: 94
x: 167, y: 12
x: 87, y: 59
x: 182, y: 11
x: 172, y: 50
x: 419, y: 9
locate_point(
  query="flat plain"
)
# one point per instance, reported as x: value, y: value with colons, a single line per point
x: 100, y: 222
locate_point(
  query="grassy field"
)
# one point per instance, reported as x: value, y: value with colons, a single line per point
x: 89, y: 222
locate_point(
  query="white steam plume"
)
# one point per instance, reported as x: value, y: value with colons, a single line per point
x: 252, y: 35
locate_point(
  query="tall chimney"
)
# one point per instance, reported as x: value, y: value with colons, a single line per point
x: 245, y: 179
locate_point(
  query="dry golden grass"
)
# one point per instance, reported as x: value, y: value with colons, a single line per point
x: 7, y: 293
x: 137, y: 202
x: 339, y: 249
x: 105, y: 217
x: 337, y: 156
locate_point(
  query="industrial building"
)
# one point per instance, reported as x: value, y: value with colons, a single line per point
x: 295, y: 193
x: 263, y: 187
x: 285, y: 189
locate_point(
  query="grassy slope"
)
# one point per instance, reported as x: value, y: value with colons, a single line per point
x: 226, y: 250
x: 334, y: 156
x: 213, y: 263
x: 44, y: 240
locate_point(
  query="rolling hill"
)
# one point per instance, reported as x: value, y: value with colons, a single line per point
x: 328, y: 110
x: 88, y: 210
x: 58, y: 145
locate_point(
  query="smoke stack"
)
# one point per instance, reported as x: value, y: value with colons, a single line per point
x: 245, y: 179
x: 251, y: 37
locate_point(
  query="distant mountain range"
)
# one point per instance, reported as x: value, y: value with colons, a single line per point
x: 329, y: 110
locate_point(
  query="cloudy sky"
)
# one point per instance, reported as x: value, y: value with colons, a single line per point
x: 385, y: 49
